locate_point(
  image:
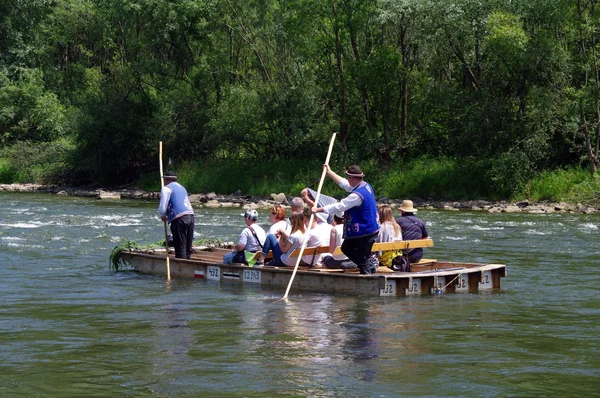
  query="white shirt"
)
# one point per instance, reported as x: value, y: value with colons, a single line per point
x: 296, y: 239
x: 247, y: 238
x: 339, y: 239
x: 165, y: 196
x: 281, y: 224
x: 318, y: 236
x: 387, y: 233
x: 348, y: 202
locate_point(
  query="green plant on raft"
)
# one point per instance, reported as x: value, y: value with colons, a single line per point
x: 115, y: 260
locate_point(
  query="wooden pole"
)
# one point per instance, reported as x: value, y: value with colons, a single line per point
x: 312, y: 217
x: 162, y: 184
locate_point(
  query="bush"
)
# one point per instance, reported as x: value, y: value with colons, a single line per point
x: 29, y: 162
x: 250, y: 177
x: 559, y: 185
x: 6, y: 172
x: 443, y: 178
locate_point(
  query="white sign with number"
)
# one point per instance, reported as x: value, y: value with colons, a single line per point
x: 440, y: 284
x: 414, y: 286
x: 252, y: 276
x: 213, y: 273
x: 462, y: 283
x: 486, y: 280
x: 389, y: 289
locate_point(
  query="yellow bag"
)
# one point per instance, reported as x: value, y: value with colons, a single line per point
x: 386, y: 257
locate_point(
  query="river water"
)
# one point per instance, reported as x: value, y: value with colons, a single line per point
x: 71, y: 327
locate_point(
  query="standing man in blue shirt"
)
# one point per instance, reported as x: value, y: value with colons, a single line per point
x: 361, y: 222
x: 175, y: 207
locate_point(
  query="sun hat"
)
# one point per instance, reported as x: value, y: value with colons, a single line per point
x: 251, y: 214
x: 354, y: 171
x: 170, y: 175
x: 407, y: 206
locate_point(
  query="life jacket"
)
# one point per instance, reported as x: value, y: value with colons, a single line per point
x: 179, y: 202
x: 364, y: 219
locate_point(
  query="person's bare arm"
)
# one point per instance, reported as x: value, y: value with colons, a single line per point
x: 332, y: 174
x: 307, y: 198
x: 332, y: 240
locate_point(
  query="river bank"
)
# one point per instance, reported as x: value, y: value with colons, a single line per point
x: 213, y: 200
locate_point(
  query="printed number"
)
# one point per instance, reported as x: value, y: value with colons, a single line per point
x: 214, y: 272
x: 462, y: 283
x: 413, y: 288
x: 251, y: 275
x: 388, y: 290
x: 486, y: 279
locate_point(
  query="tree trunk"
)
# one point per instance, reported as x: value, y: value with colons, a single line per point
x: 342, y: 85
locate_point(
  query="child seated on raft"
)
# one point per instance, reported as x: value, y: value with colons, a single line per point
x: 389, y: 231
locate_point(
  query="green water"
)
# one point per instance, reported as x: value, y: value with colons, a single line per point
x: 71, y: 327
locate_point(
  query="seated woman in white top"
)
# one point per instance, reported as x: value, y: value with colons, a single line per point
x: 389, y: 231
x: 288, y: 242
x: 337, y: 261
x: 318, y: 235
x: 277, y: 216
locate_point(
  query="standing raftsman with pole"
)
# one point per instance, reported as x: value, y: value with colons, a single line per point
x: 175, y: 208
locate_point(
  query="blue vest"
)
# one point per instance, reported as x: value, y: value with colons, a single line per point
x: 364, y: 219
x: 179, y: 203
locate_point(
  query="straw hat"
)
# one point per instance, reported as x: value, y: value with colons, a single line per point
x: 407, y: 206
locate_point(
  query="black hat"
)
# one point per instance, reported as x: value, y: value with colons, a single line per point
x: 354, y: 171
x: 170, y: 175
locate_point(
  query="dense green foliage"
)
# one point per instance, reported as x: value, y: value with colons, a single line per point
x: 487, y: 92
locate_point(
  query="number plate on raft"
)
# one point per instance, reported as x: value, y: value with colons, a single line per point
x: 213, y: 273
x: 414, y: 286
x: 486, y: 281
x: 252, y: 276
x: 389, y: 289
x: 462, y: 283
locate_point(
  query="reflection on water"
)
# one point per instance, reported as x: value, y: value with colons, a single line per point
x: 71, y: 327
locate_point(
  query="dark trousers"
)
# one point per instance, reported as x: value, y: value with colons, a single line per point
x: 332, y: 263
x: 182, y: 229
x: 359, y: 251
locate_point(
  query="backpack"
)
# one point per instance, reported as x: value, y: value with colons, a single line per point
x: 401, y: 263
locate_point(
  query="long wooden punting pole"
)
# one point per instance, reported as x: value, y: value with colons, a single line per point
x: 162, y: 184
x: 312, y: 216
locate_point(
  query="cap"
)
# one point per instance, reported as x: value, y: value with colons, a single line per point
x: 251, y: 214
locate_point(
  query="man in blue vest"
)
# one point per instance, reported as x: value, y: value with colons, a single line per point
x: 175, y: 207
x: 361, y: 224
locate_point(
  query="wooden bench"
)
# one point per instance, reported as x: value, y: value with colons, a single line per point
x: 386, y: 246
x: 402, y: 245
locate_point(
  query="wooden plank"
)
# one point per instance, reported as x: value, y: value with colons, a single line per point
x: 405, y: 244
x: 386, y: 246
